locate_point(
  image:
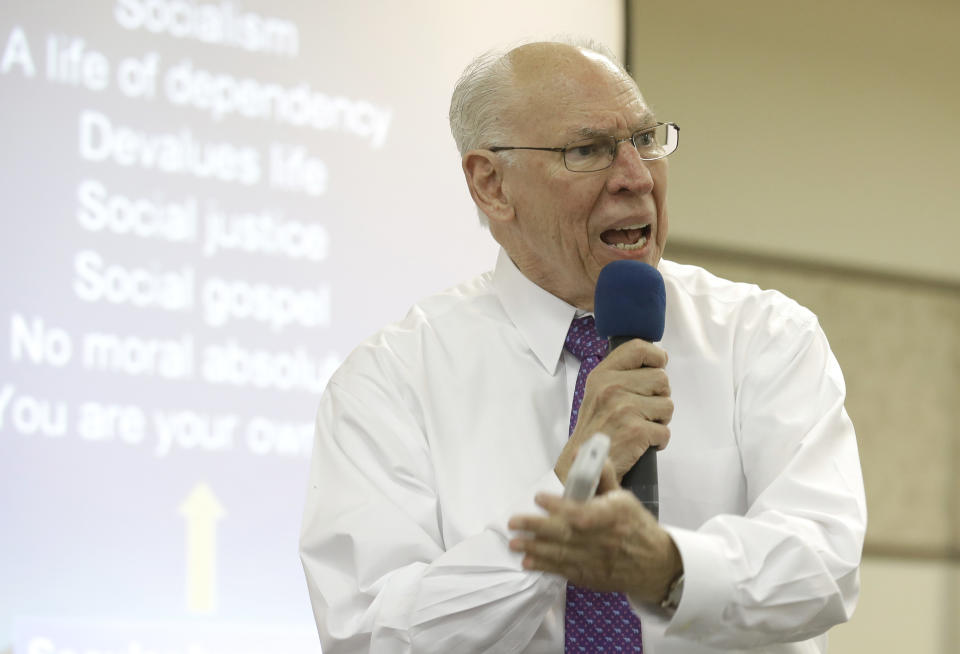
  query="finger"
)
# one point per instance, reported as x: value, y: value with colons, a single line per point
x: 547, y: 552
x: 574, y: 570
x: 628, y: 417
x: 614, y: 385
x: 531, y: 562
x: 639, y: 410
x: 579, y: 548
x: 657, y: 409
x: 526, y: 522
x: 636, y: 437
x: 552, y: 529
x: 658, y: 435
x: 603, y: 512
x: 564, y: 515
x: 556, y: 504
x: 633, y: 354
x: 647, y: 382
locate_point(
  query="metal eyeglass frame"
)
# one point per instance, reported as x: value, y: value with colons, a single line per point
x: 672, y: 130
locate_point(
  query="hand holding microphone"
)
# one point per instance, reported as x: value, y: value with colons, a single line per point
x: 628, y: 394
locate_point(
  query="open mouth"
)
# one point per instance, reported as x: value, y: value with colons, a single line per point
x: 630, y: 237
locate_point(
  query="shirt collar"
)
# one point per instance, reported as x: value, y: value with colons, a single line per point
x: 542, y: 319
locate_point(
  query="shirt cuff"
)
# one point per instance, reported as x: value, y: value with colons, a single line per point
x: 707, y: 585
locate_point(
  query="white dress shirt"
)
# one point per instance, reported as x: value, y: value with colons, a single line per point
x: 442, y: 426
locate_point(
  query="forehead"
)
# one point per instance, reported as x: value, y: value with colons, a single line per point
x: 573, y: 92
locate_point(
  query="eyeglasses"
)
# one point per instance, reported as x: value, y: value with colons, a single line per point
x: 598, y: 153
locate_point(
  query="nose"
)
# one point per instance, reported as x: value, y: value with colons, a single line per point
x: 629, y: 171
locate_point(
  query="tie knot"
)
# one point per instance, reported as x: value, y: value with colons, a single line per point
x: 583, y: 340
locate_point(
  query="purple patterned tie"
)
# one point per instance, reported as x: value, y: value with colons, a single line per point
x: 595, y: 622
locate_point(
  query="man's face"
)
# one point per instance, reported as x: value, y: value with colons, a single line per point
x: 566, y: 225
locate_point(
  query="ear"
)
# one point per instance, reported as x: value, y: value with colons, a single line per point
x: 484, y: 173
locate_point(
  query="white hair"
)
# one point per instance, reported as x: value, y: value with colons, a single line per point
x: 483, y: 93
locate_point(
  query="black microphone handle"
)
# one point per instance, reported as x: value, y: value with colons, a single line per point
x: 642, y: 480
x: 642, y: 477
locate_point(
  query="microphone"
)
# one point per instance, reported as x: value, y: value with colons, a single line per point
x: 630, y: 302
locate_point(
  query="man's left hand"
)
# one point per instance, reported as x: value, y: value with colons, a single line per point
x: 608, y: 543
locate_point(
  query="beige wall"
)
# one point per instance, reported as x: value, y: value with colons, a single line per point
x: 826, y: 130
x: 820, y: 155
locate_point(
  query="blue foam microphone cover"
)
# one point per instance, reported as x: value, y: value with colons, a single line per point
x: 630, y: 302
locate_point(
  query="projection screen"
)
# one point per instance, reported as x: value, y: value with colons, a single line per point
x: 208, y: 204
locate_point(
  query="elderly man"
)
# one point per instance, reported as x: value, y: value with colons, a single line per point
x: 438, y: 438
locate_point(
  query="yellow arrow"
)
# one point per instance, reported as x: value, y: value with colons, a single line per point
x: 202, y: 510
